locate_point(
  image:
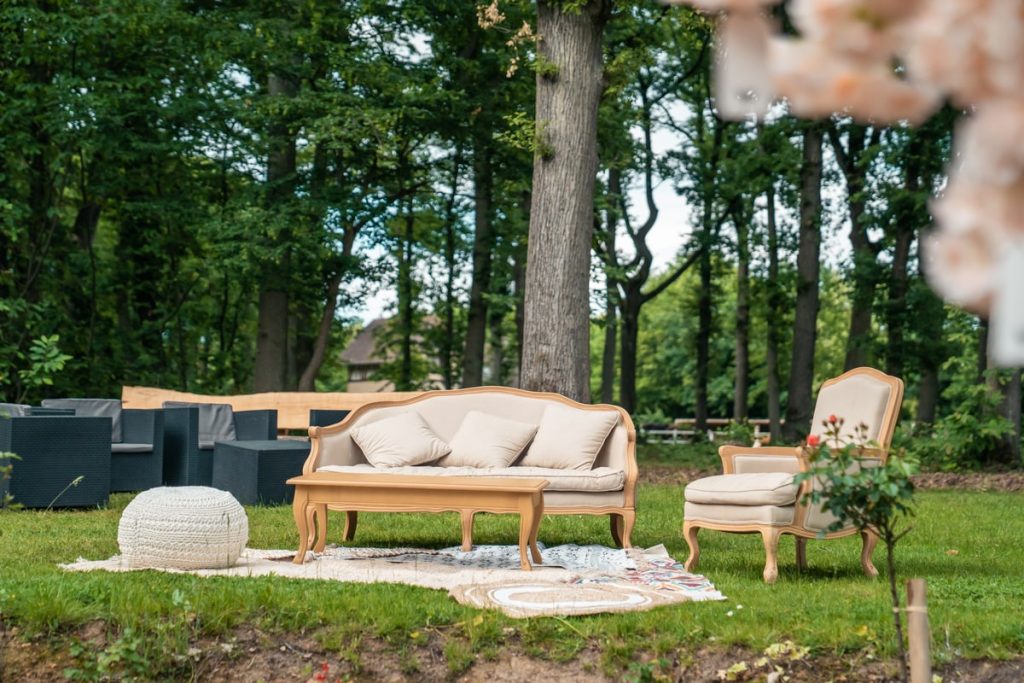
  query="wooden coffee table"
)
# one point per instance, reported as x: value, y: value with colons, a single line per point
x: 354, y: 493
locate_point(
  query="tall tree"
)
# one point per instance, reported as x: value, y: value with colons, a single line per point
x: 800, y: 405
x: 556, y: 348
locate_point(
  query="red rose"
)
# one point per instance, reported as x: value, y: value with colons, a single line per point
x: 832, y: 419
x: 813, y: 440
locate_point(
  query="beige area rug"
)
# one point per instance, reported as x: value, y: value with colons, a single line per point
x: 572, y: 580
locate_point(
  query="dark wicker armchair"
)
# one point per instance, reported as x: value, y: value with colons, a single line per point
x: 191, y: 430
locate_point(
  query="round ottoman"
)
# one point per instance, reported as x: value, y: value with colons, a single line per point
x: 182, y: 527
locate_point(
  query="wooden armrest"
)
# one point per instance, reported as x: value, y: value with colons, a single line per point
x: 728, y: 455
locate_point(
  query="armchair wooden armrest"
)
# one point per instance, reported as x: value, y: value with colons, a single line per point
x: 744, y: 459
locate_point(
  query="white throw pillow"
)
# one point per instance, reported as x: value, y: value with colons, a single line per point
x: 569, y: 438
x: 404, y: 439
x: 484, y: 440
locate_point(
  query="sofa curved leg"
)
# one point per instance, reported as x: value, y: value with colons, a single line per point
x: 770, y: 536
x: 351, y: 518
x: 690, y: 534
x: 616, y: 523
x: 321, y: 528
x: 870, y: 541
x: 466, y: 517
x: 801, y: 553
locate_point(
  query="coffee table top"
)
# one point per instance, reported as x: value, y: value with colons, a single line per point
x: 421, y: 481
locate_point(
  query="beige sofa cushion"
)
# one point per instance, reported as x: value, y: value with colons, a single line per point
x: 404, y: 439
x: 569, y: 438
x: 484, y: 440
x: 766, y: 488
x: 595, y: 480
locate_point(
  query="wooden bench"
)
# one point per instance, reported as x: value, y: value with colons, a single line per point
x: 292, y: 406
x: 353, y: 493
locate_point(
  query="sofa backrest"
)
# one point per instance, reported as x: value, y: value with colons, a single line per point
x: 93, y: 407
x: 861, y: 396
x: 444, y: 410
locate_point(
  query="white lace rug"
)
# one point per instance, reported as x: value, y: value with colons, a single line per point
x: 572, y: 579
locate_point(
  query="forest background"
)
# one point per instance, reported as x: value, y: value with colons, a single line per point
x: 202, y: 195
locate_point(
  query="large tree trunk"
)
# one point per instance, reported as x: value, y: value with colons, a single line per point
x: 775, y: 303
x: 271, y: 368
x: 800, y: 406
x: 405, y: 300
x: 476, y: 323
x: 739, y: 408
x: 447, y: 350
x: 307, y: 382
x: 556, y: 354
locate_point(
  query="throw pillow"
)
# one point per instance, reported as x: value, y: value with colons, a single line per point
x: 404, y: 439
x: 484, y: 440
x: 569, y: 438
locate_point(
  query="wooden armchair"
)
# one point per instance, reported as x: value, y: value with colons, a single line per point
x: 757, y: 494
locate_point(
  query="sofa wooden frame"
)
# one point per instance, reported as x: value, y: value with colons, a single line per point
x: 621, y: 518
x: 770, y: 534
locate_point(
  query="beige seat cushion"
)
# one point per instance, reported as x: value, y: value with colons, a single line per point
x: 772, y: 515
x: 569, y: 438
x: 404, y: 439
x: 765, y: 488
x: 595, y: 480
x: 484, y: 440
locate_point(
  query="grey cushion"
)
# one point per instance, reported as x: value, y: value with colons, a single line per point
x: 216, y: 421
x: 14, y: 410
x: 131, y: 448
x: 93, y: 407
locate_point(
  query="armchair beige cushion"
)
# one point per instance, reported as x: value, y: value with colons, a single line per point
x: 404, y: 439
x: 484, y: 440
x: 568, y: 438
x: 770, y: 488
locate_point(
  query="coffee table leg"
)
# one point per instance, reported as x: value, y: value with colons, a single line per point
x: 538, y: 512
x: 467, y: 530
x: 351, y: 517
x: 526, y: 510
x: 321, y: 527
x: 299, y: 506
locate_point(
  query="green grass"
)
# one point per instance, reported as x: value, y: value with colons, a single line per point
x: 974, y: 593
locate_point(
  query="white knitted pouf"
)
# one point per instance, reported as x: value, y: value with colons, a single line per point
x: 182, y: 527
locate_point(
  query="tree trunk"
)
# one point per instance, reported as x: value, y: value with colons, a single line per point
x: 899, y: 279
x: 927, y: 395
x: 307, y: 382
x: 270, y: 372
x: 476, y: 323
x: 405, y: 301
x: 630, y: 309
x: 775, y: 303
x: 704, y: 303
x: 519, y: 275
x: 739, y: 408
x: 1012, y: 408
x: 556, y: 353
x: 864, y: 260
x: 496, y: 364
x: 608, y: 356
x: 800, y: 406
x: 450, y: 239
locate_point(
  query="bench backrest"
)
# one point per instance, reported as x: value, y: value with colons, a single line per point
x: 292, y: 406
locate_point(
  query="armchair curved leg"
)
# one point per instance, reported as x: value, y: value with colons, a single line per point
x: 870, y: 541
x: 801, y: 553
x: 628, y: 520
x: 690, y: 534
x: 770, y: 536
x: 615, y: 521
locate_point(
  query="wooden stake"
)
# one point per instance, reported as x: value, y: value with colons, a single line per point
x: 918, y: 632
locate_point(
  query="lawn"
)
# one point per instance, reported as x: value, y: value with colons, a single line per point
x: 966, y: 544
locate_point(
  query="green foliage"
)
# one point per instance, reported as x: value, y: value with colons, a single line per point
x: 6, y: 469
x: 45, y: 360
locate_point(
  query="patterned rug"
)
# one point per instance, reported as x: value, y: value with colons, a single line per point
x: 572, y: 580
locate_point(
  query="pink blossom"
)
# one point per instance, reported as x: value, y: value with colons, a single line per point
x: 742, y: 81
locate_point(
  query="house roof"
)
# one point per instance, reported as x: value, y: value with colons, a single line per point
x: 362, y: 349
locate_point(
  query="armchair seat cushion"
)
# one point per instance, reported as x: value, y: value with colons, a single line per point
x: 131, y: 448
x: 768, y: 515
x: 765, y: 488
x: 595, y: 480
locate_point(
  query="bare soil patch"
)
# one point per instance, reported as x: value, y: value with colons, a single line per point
x: 249, y: 654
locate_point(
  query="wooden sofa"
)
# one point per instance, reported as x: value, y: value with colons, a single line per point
x: 609, y: 488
